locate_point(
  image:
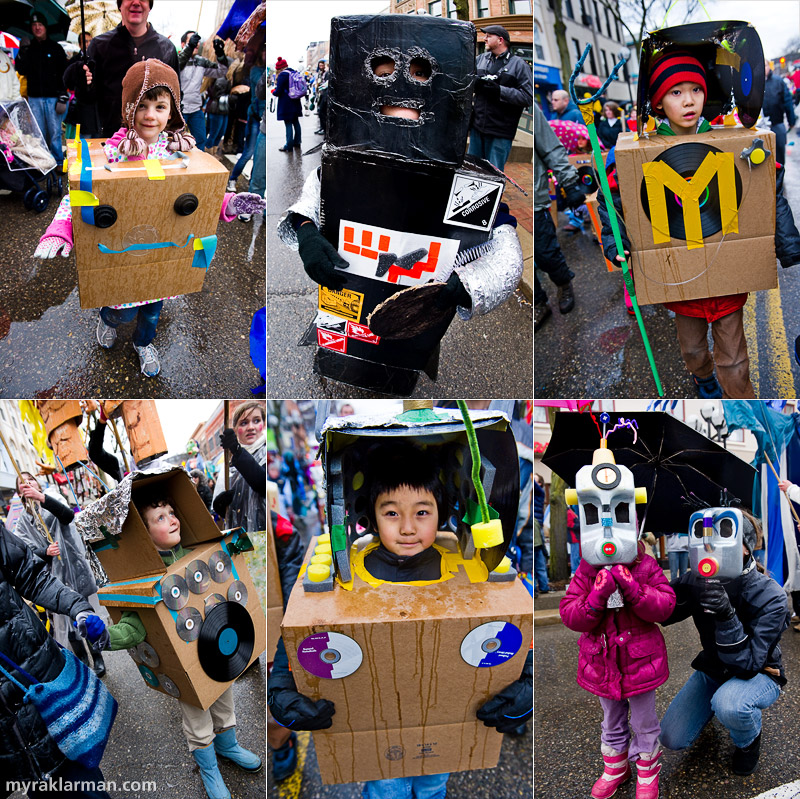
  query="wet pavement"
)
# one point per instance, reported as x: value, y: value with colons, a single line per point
x: 47, y: 342
x: 490, y: 356
x: 567, y: 724
x: 597, y: 350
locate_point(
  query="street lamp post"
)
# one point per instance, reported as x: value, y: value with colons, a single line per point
x: 715, y: 419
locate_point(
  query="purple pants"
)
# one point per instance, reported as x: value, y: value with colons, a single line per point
x: 644, y: 724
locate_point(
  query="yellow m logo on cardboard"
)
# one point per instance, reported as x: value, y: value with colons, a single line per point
x: 659, y: 176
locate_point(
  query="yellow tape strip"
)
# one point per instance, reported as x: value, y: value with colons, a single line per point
x: 198, y: 243
x: 727, y: 58
x: 78, y: 199
x: 154, y: 169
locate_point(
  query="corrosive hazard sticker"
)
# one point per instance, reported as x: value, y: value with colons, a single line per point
x: 473, y: 202
x: 331, y: 341
x: 362, y: 333
x: 344, y: 303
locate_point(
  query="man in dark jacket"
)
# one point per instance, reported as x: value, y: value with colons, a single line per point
x: 43, y: 61
x: 564, y: 108
x: 777, y: 106
x: 27, y: 752
x: 503, y: 89
x: 113, y: 53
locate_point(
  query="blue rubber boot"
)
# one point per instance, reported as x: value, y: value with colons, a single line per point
x: 227, y: 746
x: 284, y: 760
x: 707, y: 387
x: 206, y: 759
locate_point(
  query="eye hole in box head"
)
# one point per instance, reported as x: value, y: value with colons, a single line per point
x: 622, y: 513
x: 591, y: 513
x: 382, y: 66
x: 726, y: 528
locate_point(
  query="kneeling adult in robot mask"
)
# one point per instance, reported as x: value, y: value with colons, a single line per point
x: 740, y: 613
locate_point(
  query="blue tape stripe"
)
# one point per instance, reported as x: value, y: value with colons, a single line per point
x: 203, y: 257
x: 103, y: 548
x: 87, y: 212
x: 138, y: 600
x: 157, y: 246
x: 135, y: 582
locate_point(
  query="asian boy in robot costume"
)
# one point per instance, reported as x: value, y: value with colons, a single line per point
x: 437, y: 138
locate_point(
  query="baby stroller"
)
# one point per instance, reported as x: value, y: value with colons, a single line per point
x: 26, y: 160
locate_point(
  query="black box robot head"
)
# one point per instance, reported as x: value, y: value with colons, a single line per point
x: 401, y: 84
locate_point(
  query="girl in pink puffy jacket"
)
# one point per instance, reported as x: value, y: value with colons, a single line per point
x: 622, y: 660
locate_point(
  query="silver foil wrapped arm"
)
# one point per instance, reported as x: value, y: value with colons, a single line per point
x: 307, y: 204
x: 491, y: 279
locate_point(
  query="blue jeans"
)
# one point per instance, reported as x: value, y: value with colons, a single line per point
x: 736, y: 703
x: 293, y: 133
x: 430, y: 786
x: 678, y: 564
x: 216, y: 124
x: 44, y: 111
x: 251, y: 136
x: 258, y: 175
x: 540, y: 568
x: 196, y: 120
x: 492, y: 148
x: 574, y: 555
x: 146, y: 317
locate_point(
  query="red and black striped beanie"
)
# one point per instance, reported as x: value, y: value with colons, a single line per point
x: 672, y: 68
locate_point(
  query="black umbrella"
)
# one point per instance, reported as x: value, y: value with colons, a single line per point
x: 668, y: 458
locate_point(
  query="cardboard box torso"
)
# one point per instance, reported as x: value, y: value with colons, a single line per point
x: 409, y: 708
x: 708, y: 238
x: 146, y: 215
x: 274, y: 593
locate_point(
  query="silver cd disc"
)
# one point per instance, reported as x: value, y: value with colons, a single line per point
x: 174, y: 591
x: 221, y: 567
x: 148, y: 655
x: 198, y: 577
x: 491, y: 644
x: 211, y: 600
x: 330, y: 655
x: 188, y: 624
x: 134, y: 653
x: 168, y: 686
x: 237, y: 592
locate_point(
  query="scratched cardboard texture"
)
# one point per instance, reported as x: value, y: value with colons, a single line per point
x: 743, y: 261
x: 409, y: 709
x: 137, y: 559
x: 145, y: 214
x: 274, y: 593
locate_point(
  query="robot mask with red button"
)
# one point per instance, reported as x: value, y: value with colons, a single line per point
x: 715, y: 543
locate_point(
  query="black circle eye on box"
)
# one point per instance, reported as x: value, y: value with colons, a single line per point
x: 186, y: 204
x: 606, y: 476
x: 105, y: 216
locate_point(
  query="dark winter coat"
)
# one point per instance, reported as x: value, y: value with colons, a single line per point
x: 749, y: 642
x: 43, y: 64
x: 105, y: 460
x: 385, y: 565
x: 219, y: 88
x: 26, y: 749
x: 571, y: 114
x: 621, y: 652
x: 80, y: 113
x: 288, y: 109
x: 289, y: 553
x: 777, y: 102
x: 608, y: 133
x: 500, y: 116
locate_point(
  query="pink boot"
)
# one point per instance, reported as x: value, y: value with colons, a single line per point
x: 647, y: 768
x: 617, y: 770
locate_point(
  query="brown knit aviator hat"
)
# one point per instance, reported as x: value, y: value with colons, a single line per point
x: 139, y: 79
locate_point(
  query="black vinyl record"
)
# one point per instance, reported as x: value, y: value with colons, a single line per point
x: 685, y: 159
x: 749, y: 78
x: 588, y: 178
x: 226, y: 641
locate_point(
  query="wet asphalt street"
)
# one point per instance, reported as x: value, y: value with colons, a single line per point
x: 567, y: 724
x: 47, y: 342
x: 596, y: 350
x: 490, y: 356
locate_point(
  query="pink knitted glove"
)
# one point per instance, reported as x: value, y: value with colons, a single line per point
x: 48, y: 247
x: 245, y: 203
x: 604, y: 586
x: 628, y: 584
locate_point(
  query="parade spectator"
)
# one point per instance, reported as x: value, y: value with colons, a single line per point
x: 610, y: 126
x: 542, y: 586
x: 115, y: 52
x: 321, y: 93
x: 677, y: 545
x: 238, y: 103
x: 193, y: 69
x: 217, y: 113
x: 792, y: 492
x: 201, y: 484
x: 795, y: 78
x: 739, y: 671
x: 9, y: 80
x: 290, y: 109
x: 564, y: 107
x: 42, y: 62
x: 777, y: 106
x: 28, y: 752
x: 549, y: 154
x: 107, y: 461
x: 255, y: 113
x: 244, y: 504
x: 503, y: 89
x: 610, y: 667
x: 80, y: 112
x: 66, y: 556
x: 573, y: 538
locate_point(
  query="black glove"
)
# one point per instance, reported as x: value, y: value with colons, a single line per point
x: 194, y: 40
x: 489, y: 87
x: 295, y: 711
x: 513, y: 706
x: 320, y: 259
x: 714, y: 600
x: 228, y: 440
x: 219, y: 50
x: 453, y: 293
x: 61, y: 104
x: 222, y: 501
x: 574, y: 195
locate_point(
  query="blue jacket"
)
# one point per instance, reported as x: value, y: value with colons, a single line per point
x: 571, y: 114
x: 778, y: 101
x: 289, y: 109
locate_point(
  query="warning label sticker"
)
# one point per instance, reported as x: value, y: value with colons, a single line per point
x: 362, y: 333
x: 331, y: 341
x: 473, y: 202
x: 344, y: 303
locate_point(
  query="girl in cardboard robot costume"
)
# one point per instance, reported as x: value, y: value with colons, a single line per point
x: 153, y: 128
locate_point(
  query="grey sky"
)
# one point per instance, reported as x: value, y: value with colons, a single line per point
x: 179, y: 418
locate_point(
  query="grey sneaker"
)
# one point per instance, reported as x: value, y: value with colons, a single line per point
x: 244, y: 217
x: 148, y: 358
x: 231, y: 185
x: 106, y: 335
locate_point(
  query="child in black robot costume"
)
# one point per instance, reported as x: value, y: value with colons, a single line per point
x: 397, y: 198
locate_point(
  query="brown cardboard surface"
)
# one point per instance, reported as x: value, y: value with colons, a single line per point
x: 744, y: 261
x: 144, y: 430
x: 412, y: 676
x: 145, y: 213
x: 274, y: 593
